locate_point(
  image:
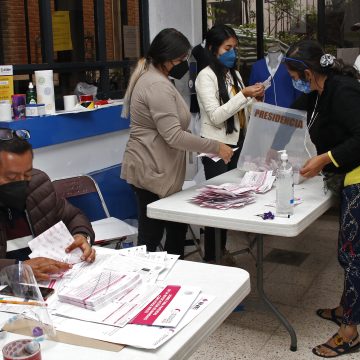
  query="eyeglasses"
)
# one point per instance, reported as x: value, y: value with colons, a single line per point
x: 9, y: 134
x: 292, y: 59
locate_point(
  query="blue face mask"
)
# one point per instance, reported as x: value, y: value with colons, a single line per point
x: 301, y: 85
x: 228, y: 58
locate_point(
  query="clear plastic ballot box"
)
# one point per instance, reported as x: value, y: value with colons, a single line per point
x: 272, y: 128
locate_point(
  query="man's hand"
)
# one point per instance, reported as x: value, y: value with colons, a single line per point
x: 42, y: 267
x: 314, y: 165
x: 80, y: 241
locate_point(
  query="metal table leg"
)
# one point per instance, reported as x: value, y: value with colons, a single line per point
x: 217, y: 245
x: 260, y: 289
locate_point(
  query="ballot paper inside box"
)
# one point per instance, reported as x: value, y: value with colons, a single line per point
x: 273, y: 128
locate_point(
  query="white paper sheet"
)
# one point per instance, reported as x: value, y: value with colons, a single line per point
x: 213, y: 157
x: 52, y: 244
x: 141, y: 336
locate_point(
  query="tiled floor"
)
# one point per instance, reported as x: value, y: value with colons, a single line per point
x: 296, y: 291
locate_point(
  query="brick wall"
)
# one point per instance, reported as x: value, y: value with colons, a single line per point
x: 133, y: 12
x: 13, y: 32
x: 14, y: 35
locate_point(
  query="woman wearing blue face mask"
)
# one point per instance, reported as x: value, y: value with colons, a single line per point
x: 333, y: 106
x: 223, y: 101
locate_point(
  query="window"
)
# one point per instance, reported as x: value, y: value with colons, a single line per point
x: 95, y: 41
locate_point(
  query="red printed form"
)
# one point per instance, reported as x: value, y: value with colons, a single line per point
x: 168, y: 307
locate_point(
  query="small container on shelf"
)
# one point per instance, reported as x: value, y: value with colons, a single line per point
x: 18, y: 106
x: 87, y: 101
x: 31, y: 94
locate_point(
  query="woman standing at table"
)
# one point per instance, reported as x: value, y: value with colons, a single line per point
x: 223, y: 100
x: 154, y: 160
x: 333, y: 106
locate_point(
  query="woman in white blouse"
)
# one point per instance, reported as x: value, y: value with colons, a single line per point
x: 223, y: 102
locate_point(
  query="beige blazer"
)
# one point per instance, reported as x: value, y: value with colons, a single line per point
x: 154, y: 157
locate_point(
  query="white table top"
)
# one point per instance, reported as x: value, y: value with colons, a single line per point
x: 230, y: 286
x: 177, y: 207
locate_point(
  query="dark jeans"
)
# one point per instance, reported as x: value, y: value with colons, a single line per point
x: 150, y: 231
x: 213, y: 169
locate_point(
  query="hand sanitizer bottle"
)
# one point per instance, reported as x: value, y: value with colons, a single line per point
x: 31, y: 94
x: 284, y: 187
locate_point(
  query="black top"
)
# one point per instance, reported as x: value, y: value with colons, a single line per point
x: 336, y: 121
x: 199, y: 54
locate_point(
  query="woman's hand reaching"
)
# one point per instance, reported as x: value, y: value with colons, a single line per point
x: 225, y: 152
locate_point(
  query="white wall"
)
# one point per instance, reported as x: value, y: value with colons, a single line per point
x: 183, y: 15
x: 82, y: 156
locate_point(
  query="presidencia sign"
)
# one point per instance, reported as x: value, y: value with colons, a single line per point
x: 61, y: 31
x: 272, y: 128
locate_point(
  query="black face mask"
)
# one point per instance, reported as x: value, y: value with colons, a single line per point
x: 179, y: 70
x: 13, y: 195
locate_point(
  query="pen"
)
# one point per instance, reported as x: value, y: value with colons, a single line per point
x: 15, y: 302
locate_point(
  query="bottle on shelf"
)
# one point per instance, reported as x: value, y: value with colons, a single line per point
x: 31, y: 94
x: 284, y: 187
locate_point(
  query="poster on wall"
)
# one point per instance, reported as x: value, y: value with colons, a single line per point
x: 131, y: 41
x: 6, y: 82
x: 61, y: 31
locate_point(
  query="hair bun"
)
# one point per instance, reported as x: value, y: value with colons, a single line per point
x: 327, y: 60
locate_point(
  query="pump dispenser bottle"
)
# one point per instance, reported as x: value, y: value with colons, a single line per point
x: 284, y: 187
x: 31, y: 94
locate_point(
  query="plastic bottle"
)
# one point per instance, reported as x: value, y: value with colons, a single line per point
x: 284, y: 187
x: 31, y: 94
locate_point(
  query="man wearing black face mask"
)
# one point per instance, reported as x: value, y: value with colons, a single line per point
x: 29, y: 206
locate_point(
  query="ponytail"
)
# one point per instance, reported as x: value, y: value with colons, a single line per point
x: 141, y: 68
x: 340, y: 68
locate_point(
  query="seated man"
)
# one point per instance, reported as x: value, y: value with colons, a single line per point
x: 29, y: 206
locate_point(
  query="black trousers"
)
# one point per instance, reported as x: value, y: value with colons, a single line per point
x: 212, y: 169
x: 150, y: 231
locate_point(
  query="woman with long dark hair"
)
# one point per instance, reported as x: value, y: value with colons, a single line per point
x: 223, y: 101
x: 333, y: 107
x: 155, y: 155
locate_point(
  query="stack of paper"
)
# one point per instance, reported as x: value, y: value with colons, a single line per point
x: 224, y: 196
x: 52, y: 244
x: 168, y: 307
x: 99, y: 291
x: 230, y: 195
x: 258, y: 181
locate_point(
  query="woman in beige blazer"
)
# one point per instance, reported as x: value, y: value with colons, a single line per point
x: 154, y: 160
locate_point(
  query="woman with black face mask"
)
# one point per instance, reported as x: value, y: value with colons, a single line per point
x: 154, y: 160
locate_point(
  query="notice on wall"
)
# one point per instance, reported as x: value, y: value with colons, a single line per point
x: 6, y: 82
x: 61, y: 31
x: 131, y: 41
